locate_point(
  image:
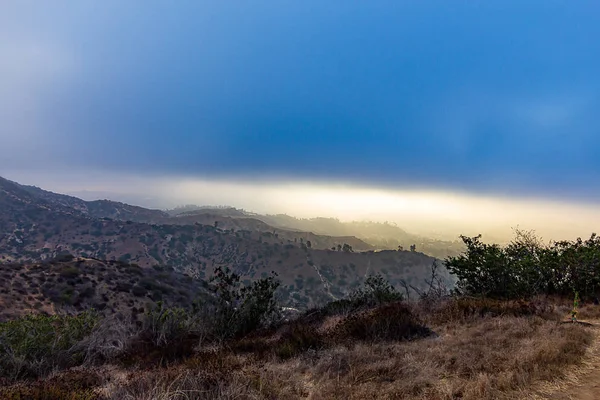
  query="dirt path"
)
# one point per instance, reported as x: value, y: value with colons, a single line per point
x: 583, y: 383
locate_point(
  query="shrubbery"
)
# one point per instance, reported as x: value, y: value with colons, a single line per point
x: 237, y: 309
x: 376, y: 290
x: 242, y: 308
x: 526, y: 267
x: 165, y: 327
x: 34, y: 345
x: 389, y: 322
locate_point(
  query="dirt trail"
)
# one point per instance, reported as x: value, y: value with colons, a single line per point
x: 583, y: 383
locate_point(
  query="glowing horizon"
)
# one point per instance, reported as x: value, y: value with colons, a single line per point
x: 421, y: 211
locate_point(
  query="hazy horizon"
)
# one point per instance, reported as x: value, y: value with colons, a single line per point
x: 443, y: 214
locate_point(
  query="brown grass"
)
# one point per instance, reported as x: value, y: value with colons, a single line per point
x: 486, y: 359
x: 482, y: 350
x: 588, y: 312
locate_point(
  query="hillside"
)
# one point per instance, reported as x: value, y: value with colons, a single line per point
x: 252, y: 224
x: 99, y: 208
x: 37, y: 228
x: 225, y: 218
x: 78, y: 284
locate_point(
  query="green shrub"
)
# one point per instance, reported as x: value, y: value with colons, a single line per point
x: 34, y: 345
x: 167, y: 326
x: 138, y: 291
x: 69, y: 272
x: 526, y: 267
x: 376, y: 290
x: 64, y: 257
x: 241, y: 309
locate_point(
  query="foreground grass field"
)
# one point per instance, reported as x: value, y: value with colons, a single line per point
x: 456, y: 348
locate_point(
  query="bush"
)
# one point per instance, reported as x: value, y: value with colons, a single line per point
x: 69, y: 272
x: 167, y: 333
x: 138, y: 291
x: 34, y: 345
x: 525, y: 268
x: 389, y: 322
x: 376, y: 290
x: 241, y: 309
x: 235, y: 310
x: 64, y: 257
x: 167, y: 327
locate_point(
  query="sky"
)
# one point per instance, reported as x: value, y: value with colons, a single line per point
x: 373, y: 103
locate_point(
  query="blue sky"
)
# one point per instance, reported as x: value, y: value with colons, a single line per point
x: 498, y: 97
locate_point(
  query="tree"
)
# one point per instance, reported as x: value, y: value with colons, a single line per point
x: 347, y: 248
x: 413, y: 247
x: 308, y: 244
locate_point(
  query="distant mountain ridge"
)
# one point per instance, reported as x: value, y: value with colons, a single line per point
x: 39, y: 225
x: 100, y: 208
x: 376, y: 235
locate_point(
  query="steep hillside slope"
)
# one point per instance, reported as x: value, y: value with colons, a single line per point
x: 76, y: 284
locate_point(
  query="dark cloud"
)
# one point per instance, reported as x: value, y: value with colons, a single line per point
x: 489, y: 96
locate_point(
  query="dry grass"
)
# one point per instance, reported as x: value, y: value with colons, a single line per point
x: 487, y: 359
x: 588, y: 312
x: 481, y: 351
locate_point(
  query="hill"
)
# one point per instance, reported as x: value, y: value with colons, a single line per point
x: 373, y: 235
x: 78, y: 284
x: 255, y: 224
x: 372, y: 344
x: 38, y: 226
x: 99, y: 208
x: 379, y: 235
